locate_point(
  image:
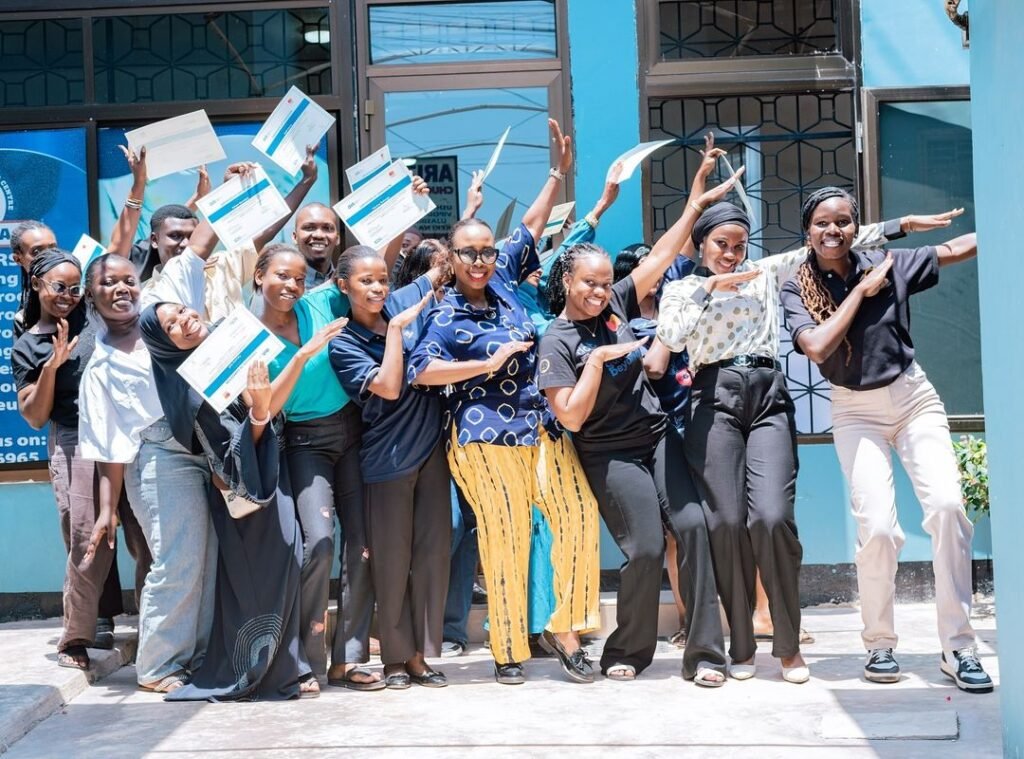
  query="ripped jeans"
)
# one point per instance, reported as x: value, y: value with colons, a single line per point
x: 323, y: 461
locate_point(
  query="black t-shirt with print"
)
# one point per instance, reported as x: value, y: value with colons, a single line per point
x: 627, y: 415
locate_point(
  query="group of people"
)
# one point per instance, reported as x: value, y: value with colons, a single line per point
x: 442, y: 389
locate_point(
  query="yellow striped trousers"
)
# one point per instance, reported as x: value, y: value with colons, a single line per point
x: 501, y: 483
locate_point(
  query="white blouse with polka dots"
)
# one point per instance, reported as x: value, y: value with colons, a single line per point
x: 728, y: 324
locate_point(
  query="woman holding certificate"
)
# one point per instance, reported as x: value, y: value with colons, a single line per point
x: 506, y: 453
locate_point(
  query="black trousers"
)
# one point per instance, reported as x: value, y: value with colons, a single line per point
x: 686, y: 520
x: 634, y: 500
x: 410, y: 524
x: 323, y: 461
x: 741, y: 446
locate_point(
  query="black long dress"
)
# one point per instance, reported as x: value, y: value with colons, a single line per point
x: 254, y: 650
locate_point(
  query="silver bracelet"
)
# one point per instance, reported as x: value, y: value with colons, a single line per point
x: 556, y: 174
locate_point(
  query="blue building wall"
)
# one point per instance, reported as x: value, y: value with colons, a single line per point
x: 604, y: 68
x: 997, y: 58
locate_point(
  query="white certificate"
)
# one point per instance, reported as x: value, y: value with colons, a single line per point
x: 86, y: 250
x: 295, y: 123
x: 557, y: 218
x: 635, y: 156
x: 368, y: 168
x: 741, y: 190
x: 241, y: 208
x: 218, y: 369
x: 173, y: 145
x: 494, y: 155
x: 384, y: 207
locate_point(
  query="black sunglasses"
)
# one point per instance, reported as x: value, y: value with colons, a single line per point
x: 59, y: 288
x: 472, y: 255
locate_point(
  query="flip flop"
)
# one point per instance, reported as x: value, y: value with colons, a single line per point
x: 346, y: 681
x: 621, y: 672
x: 74, y: 657
x: 170, y: 683
x: 309, y: 687
x: 708, y: 676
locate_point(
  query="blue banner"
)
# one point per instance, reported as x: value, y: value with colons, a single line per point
x: 42, y: 176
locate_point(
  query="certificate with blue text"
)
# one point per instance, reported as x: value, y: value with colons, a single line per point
x: 384, y: 207
x: 296, y: 122
x: 176, y: 144
x: 218, y: 369
x: 243, y: 207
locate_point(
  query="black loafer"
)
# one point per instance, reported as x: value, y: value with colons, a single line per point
x: 576, y: 665
x: 398, y: 681
x: 430, y: 679
x: 509, y: 674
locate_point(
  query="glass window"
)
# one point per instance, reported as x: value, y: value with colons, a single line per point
x: 926, y: 165
x: 219, y: 55
x: 790, y: 144
x: 462, y: 32
x: 466, y: 125
x: 41, y: 63
x: 731, y: 28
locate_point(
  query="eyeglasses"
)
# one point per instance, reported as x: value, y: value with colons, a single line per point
x: 59, y: 288
x: 472, y: 255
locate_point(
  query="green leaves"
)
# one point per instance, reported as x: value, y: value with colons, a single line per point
x: 972, y: 457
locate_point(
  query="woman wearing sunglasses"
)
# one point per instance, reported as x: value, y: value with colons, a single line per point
x: 506, y: 452
x: 48, y: 361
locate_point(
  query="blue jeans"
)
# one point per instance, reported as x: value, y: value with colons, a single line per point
x: 462, y: 571
x: 167, y: 488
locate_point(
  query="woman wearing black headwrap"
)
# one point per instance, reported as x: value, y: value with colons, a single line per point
x: 254, y: 650
x: 47, y: 361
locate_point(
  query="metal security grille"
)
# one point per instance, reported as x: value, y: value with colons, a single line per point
x: 220, y: 55
x: 731, y: 28
x: 790, y: 144
x: 41, y: 63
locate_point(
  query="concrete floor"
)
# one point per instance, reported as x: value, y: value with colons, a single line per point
x: 658, y: 715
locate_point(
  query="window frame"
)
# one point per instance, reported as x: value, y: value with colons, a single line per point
x: 872, y: 99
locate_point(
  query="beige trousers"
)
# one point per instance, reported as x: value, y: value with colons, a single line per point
x: 909, y: 417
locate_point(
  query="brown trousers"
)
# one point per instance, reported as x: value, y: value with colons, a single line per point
x: 76, y: 490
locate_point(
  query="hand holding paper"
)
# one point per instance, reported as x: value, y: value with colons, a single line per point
x: 493, y: 161
x: 176, y: 144
x: 296, y: 122
x: 633, y: 157
x: 362, y: 172
x: 384, y: 207
x: 245, y: 205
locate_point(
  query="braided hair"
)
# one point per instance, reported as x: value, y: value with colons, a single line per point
x: 816, y: 297
x: 555, y: 291
x: 268, y: 254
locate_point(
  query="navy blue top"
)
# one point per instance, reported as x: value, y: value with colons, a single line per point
x: 506, y: 408
x: 880, y: 348
x: 398, y: 435
x: 673, y: 388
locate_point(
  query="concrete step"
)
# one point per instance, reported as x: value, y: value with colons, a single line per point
x: 33, y: 687
x: 668, y: 619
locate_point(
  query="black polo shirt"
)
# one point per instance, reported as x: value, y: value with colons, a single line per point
x: 879, y: 337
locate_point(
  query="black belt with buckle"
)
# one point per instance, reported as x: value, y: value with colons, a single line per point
x: 746, y: 360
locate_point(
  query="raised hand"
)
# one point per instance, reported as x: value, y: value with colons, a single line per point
x: 875, y: 280
x: 718, y: 193
x: 926, y: 223
x: 563, y: 143
x: 62, y: 347
x: 729, y: 283
x: 404, y: 318
x: 607, y: 353
x: 203, y: 186
x: 136, y: 163
x: 611, y: 187
x: 475, y: 193
x: 242, y: 169
x: 505, y: 351
x: 309, y: 168
x: 323, y: 336
x: 419, y: 186
x: 710, y: 154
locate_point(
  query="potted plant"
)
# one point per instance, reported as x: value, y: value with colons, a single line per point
x: 971, y: 455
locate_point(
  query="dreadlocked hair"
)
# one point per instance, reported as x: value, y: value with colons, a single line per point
x: 815, y: 295
x: 554, y: 292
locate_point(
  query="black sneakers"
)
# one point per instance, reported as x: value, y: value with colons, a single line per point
x: 968, y: 674
x: 509, y: 674
x: 575, y: 665
x: 881, y: 667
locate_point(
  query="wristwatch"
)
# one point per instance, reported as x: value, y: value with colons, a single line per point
x: 556, y: 174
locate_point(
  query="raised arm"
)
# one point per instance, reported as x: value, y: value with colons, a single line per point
x: 127, y: 226
x: 709, y: 159
x: 294, y: 198
x: 537, y: 215
x: 474, y: 195
x: 668, y: 247
x: 962, y: 248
